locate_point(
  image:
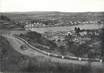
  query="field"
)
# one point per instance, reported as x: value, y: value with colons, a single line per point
x: 67, y: 28
x: 65, y: 34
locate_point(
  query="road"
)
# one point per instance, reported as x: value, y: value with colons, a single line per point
x: 16, y: 43
x: 56, y: 55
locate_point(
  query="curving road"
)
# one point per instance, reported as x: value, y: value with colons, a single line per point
x: 58, y: 56
x: 33, y: 51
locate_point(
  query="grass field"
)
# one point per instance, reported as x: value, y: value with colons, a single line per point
x: 66, y: 28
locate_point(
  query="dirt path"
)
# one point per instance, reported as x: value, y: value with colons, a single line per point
x: 16, y: 43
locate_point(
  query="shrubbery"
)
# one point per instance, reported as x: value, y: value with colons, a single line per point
x: 38, y: 38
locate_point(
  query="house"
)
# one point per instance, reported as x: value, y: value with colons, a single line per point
x: 30, y: 26
x: 83, y: 33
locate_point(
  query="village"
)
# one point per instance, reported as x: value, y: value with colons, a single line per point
x: 40, y: 24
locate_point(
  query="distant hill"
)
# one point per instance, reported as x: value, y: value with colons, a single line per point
x: 51, y: 18
x: 32, y: 15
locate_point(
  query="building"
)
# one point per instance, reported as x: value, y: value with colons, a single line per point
x: 30, y: 26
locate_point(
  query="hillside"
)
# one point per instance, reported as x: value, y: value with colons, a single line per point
x: 7, y: 23
x: 88, y: 45
x: 54, y: 17
x: 13, y: 61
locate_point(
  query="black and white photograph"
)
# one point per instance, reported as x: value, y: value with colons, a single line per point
x: 51, y: 36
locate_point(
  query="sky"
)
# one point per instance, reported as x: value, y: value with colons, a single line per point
x: 51, y: 5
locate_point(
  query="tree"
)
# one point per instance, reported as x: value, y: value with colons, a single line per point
x: 2, y: 17
x: 102, y: 43
x: 77, y: 30
x: 68, y: 41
